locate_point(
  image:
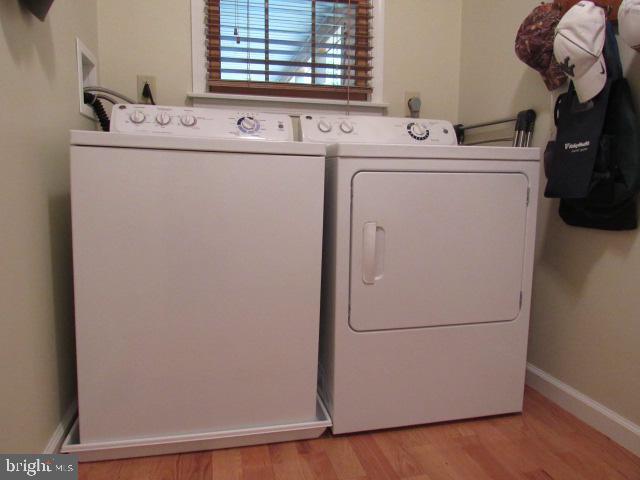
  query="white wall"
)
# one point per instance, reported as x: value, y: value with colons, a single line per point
x: 585, y: 326
x: 39, y: 105
x: 422, y: 50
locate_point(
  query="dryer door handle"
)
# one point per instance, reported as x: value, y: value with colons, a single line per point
x: 372, y: 253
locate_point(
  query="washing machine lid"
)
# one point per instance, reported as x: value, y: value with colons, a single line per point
x: 123, y: 140
x: 372, y: 150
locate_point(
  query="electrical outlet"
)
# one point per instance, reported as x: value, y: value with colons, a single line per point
x: 408, y: 96
x: 151, y: 80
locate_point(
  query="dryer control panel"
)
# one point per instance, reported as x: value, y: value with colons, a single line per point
x: 377, y: 130
x: 200, y: 122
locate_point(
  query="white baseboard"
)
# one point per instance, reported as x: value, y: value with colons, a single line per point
x: 603, y: 419
x: 59, y: 434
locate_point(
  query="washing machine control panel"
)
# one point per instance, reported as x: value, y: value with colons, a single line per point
x: 377, y: 130
x: 200, y: 122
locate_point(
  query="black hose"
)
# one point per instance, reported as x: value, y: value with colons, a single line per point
x: 459, y: 129
x: 101, y: 113
x: 531, y: 120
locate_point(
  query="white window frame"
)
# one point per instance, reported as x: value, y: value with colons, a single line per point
x: 199, y: 65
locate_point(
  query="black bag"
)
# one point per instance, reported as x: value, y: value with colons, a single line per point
x: 609, y: 200
x: 611, y: 203
x: 580, y: 127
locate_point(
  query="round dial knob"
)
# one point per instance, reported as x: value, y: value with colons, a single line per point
x: 137, y: 117
x: 249, y: 124
x: 346, y: 126
x: 324, y: 126
x: 163, y: 118
x: 417, y: 131
x: 188, y: 120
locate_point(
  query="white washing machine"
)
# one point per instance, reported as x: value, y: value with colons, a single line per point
x: 428, y: 258
x: 197, y: 242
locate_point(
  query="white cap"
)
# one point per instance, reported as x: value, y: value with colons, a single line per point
x: 629, y: 23
x: 578, y: 47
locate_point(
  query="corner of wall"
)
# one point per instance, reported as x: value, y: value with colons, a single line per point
x: 463, y: 9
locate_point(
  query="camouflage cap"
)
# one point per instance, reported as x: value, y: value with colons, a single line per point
x: 534, y: 44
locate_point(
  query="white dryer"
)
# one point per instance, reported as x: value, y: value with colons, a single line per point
x: 197, y: 242
x: 428, y: 258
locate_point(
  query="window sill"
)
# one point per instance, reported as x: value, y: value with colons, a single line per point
x: 288, y: 105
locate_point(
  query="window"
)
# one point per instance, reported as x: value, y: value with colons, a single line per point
x: 300, y: 48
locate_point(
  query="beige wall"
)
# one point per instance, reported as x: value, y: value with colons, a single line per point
x: 493, y: 82
x: 422, y: 53
x: 146, y: 37
x: 39, y: 106
x: 422, y: 50
x: 585, y: 327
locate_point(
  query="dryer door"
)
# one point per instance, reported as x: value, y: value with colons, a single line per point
x: 433, y: 249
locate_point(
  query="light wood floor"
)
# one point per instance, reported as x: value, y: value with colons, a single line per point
x: 542, y: 444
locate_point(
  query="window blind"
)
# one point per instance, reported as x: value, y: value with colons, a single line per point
x: 302, y: 48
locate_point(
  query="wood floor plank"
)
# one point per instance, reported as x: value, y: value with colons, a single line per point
x: 585, y: 466
x: 544, y: 443
x: 226, y: 464
x: 166, y: 468
x: 443, y: 462
x: 518, y: 457
x: 600, y: 456
x: 344, y: 460
x: 401, y: 459
x: 371, y: 458
x: 138, y: 468
x: 490, y: 462
x: 292, y: 470
x: 256, y: 463
x: 321, y: 466
x: 538, y: 475
x: 547, y: 457
x: 195, y: 466
x: 283, y: 452
x: 287, y: 463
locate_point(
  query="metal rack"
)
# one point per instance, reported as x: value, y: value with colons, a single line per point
x: 525, y: 122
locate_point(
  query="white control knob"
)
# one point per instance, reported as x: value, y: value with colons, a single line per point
x: 163, y: 118
x: 418, y: 130
x: 249, y: 124
x: 137, y: 117
x: 324, y: 126
x: 188, y: 120
x: 346, y: 127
